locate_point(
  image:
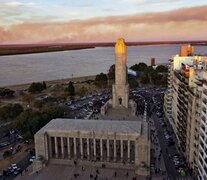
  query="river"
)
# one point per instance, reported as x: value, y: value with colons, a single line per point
x: 19, y: 69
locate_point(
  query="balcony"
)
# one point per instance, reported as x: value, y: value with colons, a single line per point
x: 205, y: 92
x: 204, y: 102
x: 203, y: 119
x: 203, y: 128
x: 204, y: 110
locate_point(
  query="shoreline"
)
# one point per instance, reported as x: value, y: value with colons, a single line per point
x: 17, y: 87
x: 36, y: 50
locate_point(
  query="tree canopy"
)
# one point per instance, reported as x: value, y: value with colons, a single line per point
x: 30, y: 121
x: 10, y: 111
x: 101, y: 80
x: 111, y: 72
x: 37, y: 87
x: 71, y: 89
x: 6, y: 93
x: 162, y: 69
x: 139, y: 67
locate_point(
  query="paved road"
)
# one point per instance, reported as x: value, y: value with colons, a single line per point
x: 23, y: 164
x: 172, y: 172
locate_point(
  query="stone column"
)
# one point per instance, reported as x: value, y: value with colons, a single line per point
x: 115, y: 150
x: 128, y: 151
x: 81, y: 147
x: 75, y: 153
x: 68, y: 147
x: 62, y: 148
x: 88, y: 150
x: 50, y: 147
x: 94, y: 148
x: 122, y: 151
x: 56, y: 147
x: 101, y: 148
x: 108, y: 150
x: 46, y: 139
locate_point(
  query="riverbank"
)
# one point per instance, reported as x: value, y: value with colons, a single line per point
x: 52, y: 82
x: 30, y: 49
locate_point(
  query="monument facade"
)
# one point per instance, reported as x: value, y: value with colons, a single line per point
x: 121, y: 87
x: 121, y: 141
x: 114, y: 143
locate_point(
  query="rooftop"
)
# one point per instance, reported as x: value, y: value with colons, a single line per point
x: 95, y: 125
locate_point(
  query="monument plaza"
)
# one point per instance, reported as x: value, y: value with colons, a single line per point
x: 109, y: 143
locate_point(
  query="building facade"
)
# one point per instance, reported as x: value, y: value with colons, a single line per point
x: 202, y: 161
x: 182, y: 103
x: 95, y: 142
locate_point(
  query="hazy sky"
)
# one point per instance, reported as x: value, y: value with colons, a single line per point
x: 34, y: 21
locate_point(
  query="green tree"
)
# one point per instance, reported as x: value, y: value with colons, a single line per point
x: 36, y: 87
x: 111, y: 72
x: 44, y: 85
x: 144, y: 79
x: 6, y: 93
x: 53, y: 112
x: 71, y: 89
x: 101, y: 80
x: 7, y: 153
x: 28, y: 123
x: 162, y: 69
x: 139, y: 67
x: 10, y: 111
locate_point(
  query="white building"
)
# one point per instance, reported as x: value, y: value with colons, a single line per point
x: 202, y: 162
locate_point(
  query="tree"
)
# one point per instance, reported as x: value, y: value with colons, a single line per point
x: 37, y: 87
x: 111, y: 72
x: 161, y: 69
x: 54, y: 112
x: 145, y: 79
x: 28, y: 123
x: 44, y: 85
x: 139, y: 67
x: 6, y: 93
x: 7, y: 153
x: 10, y: 111
x: 101, y: 80
x: 71, y: 89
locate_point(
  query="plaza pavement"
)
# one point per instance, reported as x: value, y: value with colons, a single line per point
x: 59, y: 172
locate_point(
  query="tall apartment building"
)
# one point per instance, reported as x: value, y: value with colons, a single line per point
x: 202, y: 161
x: 182, y: 104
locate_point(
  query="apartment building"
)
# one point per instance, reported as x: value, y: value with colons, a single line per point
x: 202, y: 161
x: 182, y: 104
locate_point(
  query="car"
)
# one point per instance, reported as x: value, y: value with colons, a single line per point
x: 18, y: 170
x: 32, y: 159
x: 14, y: 166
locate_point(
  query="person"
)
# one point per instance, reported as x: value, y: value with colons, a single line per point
x: 115, y: 174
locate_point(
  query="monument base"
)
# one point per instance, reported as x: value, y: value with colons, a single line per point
x: 120, y: 112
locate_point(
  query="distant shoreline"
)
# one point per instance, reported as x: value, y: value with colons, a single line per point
x: 51, y: 82
x: 16, y: 49
x: 8, y: 51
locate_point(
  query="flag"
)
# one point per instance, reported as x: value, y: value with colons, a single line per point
x: 131, y: 72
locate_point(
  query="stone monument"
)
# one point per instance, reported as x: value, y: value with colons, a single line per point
x: 121, y: 87
x: 120, y: 107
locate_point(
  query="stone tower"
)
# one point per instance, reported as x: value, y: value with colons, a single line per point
x: 121, y: 87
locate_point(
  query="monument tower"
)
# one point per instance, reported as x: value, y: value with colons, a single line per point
x: 120, y: 106
x: 120, y: 88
